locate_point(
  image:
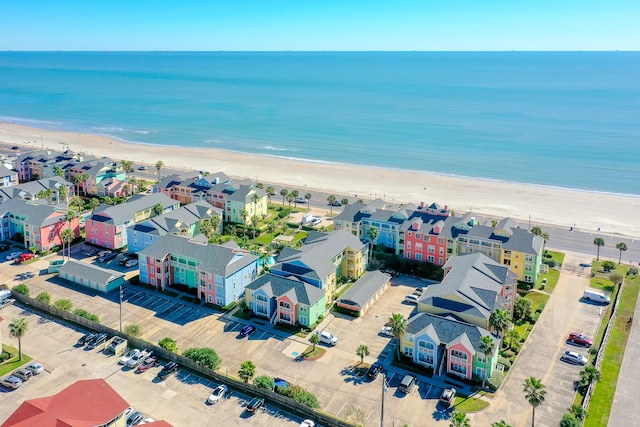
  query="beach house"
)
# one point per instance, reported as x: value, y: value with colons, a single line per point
x: 34, y: 224
x: 194, y: 186
x: 285, y: 300
x: 185, y: 221
x: 107, y: 225
x: 323, y: 259
x: 8, y: 177
x: 46, y: 163
x: 54, y: 191
x: 88, y: 175
x: 217, y: 274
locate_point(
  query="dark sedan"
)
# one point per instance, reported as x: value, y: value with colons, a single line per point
x: 247, y: 330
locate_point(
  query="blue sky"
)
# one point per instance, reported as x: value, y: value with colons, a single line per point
x: 320, y: 25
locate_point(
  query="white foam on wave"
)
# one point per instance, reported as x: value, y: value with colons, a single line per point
x: 108, y: 129
x: 31, y: 122
x: 272, y: 148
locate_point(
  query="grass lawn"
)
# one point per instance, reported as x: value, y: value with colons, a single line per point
x: 556, y: 256
x: 13, y: 363
x: 470, y: 404
x: 311, y: 354
x: 538, y: 300
x: 552, y: 277
x: 600, y: 405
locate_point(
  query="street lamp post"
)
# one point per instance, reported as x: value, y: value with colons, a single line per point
x: 384, y: 388
x: 121, y: 308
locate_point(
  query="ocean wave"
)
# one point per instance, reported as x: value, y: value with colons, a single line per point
x: 272, y: 148
x: 30, y: 122
x: 108, y: 129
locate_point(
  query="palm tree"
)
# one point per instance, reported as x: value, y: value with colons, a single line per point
x: 545, y: 237
x: 206, y: 228
x: 244, y: 214
x: 315, y: 339
x: 362, y: 351
x: 332, y: 200
x: 17, y: 329
x: 290, y: 198
x: 42, y: 194
x: 295, y: 194
x: 63, y: 192
x: 94, y: 203
x: 487, y: 346
x: 157, y: 209
x: 247, y: 371
x: 308, y: 197
x: 501, y: 423
x: 622, y: 246
x: 373, y: 239
x: 83, y: 178
x: 345, y: 201
x: 255, y: 219
x: 284, y: 192
x: 512, y: 335
x: 499, y: 320
x: 254, y: 199
x: 398, y: 325
x: 127, y: 166
x: 215, y: 223
x: 67, y: 237
x: 57, y: 170
x: 536, y: 231
x: 598, y: 241
x: 534, y: 392
x: 494, y: 222
x: 159, y: 165
x: 578, y: 412
x: 270, y: 192
x: 590, y: 374
x: 459, y: 419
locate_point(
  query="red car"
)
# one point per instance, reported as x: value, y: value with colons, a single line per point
x: 149, y: 362
x: 579, y: 339
x: 24, y: 257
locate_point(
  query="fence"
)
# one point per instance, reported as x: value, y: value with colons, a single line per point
x: 603, y: 347
x: 290, y: 404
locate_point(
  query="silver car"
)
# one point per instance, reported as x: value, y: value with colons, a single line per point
x: 573, y: 357
x: 11, y: 382
x: 23, y: 373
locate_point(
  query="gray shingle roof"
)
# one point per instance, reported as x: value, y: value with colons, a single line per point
x: 5, y: 171
x: 512, y: 238
x: 449, y: 329
x: 119, y: 214
x: 29, y: 190
x: 220, y: 260
x: 187, y: 215
x: 298, y: 291
x: 316, y: 253
x: 89, y: 271
x: 36, y: 213
x: 472, y: 286
x: 365, y: 288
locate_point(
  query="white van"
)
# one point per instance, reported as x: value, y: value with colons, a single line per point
x: 411, y: 299
x: 327, y: 338
x: 596, y: 296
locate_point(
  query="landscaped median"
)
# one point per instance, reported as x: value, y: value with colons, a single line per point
x: 602, y: 399
x: 11, y: 363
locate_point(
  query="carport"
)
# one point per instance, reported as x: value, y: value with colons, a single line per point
x: 365, y: 292
x: 91, y: 276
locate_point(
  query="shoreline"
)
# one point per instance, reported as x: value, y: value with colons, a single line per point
x: 583, y: 209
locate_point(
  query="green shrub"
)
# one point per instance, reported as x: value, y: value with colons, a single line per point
x: 5, y: 355
x: 284, y: 213
x: 133, y: 330
x: 22, y: 289
x: 63, y: 304
x: 301, y: 395
x: 550, y: 262
x: 496, y: 380
x: 569, y: 420
x: 44, y: 297
x: 84, y: 313
x: 168, y: 344
x: 206, y: 357
x: 264, y: 381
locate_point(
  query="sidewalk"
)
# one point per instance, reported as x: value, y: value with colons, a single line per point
x: 626, y: 395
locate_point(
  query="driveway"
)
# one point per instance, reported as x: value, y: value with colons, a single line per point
x: 540, y: 356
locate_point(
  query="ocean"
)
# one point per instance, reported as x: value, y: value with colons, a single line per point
x: 566, y: 119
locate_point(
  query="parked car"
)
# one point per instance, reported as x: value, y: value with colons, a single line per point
x: 448, y: 397
x: 134, y: 419
x: 411, y: 299
x: 418, y: 291
x: 128, y: 355
x: 24, y: 257
x: 147, y: 421
x: 300, y: 200
x: 374, y: 370
x: 573, y: 357
x: 217, y: 394
x: 407, y: 384
x: 11, y: 382
x: 336, y: 203
x: 247, y: 330
x: 35, y: 368
x: 23, y: 373
x: 13, y: 255
x: 86, y: 338
x: 579, y: 339
x: 327, y: 337
x: 142, y: 168
x: 96, y: 341
x: 149, y: 362
x: 386, y: 331
x: 131, y: 263
x: 91, y: 252
x: 137, y: 359
x: 169, y: 368
x: 255, y: 404
x: 107, y: 257
x: 307, y: 423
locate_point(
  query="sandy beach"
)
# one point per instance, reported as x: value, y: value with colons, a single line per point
x: 612, y: 214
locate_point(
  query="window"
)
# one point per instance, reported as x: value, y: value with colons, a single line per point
x: 459, y: 354
x: 430, y: 258
x: 459, y: 369
x: 210, y: 299
x: 432, y: 249
x: 480, y: 372
x: 419, y: 257
x: 408, y: 351
x: 409, y: 254
x: 210, y: 287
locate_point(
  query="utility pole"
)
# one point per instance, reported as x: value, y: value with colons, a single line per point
x: 121, y: 292
x: 384, y: 388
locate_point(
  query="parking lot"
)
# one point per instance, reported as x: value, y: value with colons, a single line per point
x: 180, y: 399
x: 331, y: 378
